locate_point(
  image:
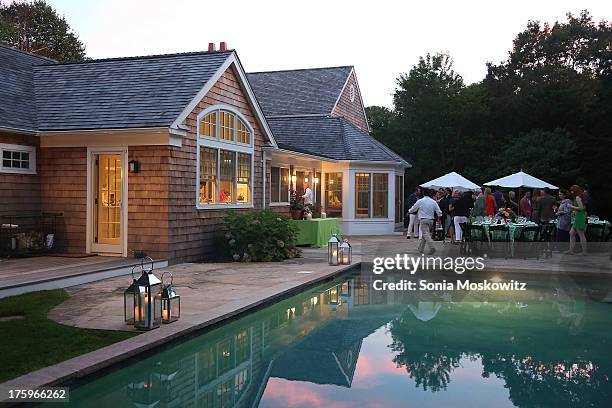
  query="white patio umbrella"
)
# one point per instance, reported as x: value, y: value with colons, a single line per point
x: 451, y: 180
x: 520, y: 179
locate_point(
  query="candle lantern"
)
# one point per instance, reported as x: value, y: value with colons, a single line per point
x: 332, y: 250
x: 129, y: 307
x: 147, y: 300
x: 170, y: 302
x: 346, y: 253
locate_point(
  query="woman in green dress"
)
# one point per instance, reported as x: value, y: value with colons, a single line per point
x: 579, y: 221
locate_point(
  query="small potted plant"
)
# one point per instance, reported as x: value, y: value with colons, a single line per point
x: 296, y: 206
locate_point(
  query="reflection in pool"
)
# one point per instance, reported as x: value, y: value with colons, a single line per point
x: 343, y: 344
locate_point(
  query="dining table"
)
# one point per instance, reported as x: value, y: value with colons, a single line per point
x: 316, y: 231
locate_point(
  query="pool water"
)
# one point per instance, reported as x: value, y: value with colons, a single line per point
x: 342, y: 344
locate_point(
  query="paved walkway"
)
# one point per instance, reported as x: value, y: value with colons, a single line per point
x: 202, y: 287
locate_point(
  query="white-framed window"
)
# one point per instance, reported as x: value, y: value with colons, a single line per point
x: 225, y: 159
x: 371, y: 195
x: 17, y: 159
x: 279, y: 185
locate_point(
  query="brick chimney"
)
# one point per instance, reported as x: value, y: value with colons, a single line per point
x: 222, y: 46
x: 212, y: 47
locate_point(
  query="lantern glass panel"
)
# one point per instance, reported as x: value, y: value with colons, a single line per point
x: 128, y: 304
x: 332, y: 251
x: 171, y: 309
x: 345, y: 253
x: 147, y: 307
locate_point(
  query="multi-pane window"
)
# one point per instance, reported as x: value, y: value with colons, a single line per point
x: 243, y: 135
x: 333, y: 194
x: 17, y: 159
x: 279, y: 185
x: 208, y: 125
x: 362, y: 194
x: 208, y: 176
x: 371, y: 195
x: 227, y: 171
x: 226, y: 125
x: 225, y: 155
x: 243, y: 183
x: 380, y: 194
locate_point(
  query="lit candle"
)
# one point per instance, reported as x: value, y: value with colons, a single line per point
x: 165, y: 314
x: 136, y: 314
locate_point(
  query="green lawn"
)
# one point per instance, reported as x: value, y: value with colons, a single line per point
x: 35, y: 341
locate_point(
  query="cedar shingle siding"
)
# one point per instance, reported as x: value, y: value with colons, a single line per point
x: 193, y: 233
x: 352, y: 111
x: 19, y: 193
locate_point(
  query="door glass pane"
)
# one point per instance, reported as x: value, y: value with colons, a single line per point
x: 362, y: 194
x: 108, y: 200
x: 333, y: 194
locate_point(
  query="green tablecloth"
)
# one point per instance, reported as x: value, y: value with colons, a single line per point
x: 514, y: 231
x: 316, y: 232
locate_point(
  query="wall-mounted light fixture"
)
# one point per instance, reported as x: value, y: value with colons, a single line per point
x: 134, y: 166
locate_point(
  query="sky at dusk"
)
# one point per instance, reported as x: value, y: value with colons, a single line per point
x: 380, y: 38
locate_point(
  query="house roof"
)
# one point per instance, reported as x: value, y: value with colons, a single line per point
x: 330, y: 137
x: 299, y: 92
x: 17, y: 106
x: 115, y: 93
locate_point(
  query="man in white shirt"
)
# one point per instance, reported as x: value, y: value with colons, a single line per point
x: 427, y: 208
x: 307, y: 195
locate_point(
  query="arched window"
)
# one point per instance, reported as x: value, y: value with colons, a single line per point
x: 225, y: 159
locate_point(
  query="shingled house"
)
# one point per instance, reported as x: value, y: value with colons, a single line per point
x: 147, y: 153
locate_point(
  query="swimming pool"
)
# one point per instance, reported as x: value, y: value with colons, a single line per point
x: 342, y: 344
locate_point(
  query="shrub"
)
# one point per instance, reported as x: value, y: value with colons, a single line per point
x: 260, y: 236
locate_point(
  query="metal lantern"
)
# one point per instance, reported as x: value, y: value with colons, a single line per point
x: 346, y: 253
x: 129, y: 307
x: 147, y: 300
x: 332, y: 250
x: 170, y: 302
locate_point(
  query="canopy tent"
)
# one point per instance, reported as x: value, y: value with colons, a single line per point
x: 451, y: 180
x: 521, y: 179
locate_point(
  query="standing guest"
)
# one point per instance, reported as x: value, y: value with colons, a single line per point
x: 525, y: 205
x: 444, y: 204
x: 564, y: 217
x: 461, y: 211
x: 535, y: 205
x: 427, y: 209
x: 579, y: 222
x: 499, y: 197
x: 512, y: 203
x: 546, y: 208
x: 451, y: 212
x: 490, y: 204
x: 413, y: 225
x: 479, y: 205
x: 308, y: 198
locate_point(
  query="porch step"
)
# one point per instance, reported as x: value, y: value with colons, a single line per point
x: 69, y: 275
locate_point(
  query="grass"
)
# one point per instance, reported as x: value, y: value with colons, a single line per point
x: 34, y: 341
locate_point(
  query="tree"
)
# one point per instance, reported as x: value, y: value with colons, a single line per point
x: 37, y: 28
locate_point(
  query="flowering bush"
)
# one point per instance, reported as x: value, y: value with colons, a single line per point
x: 260, y: 236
